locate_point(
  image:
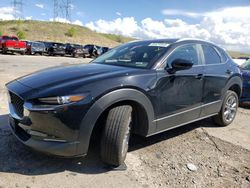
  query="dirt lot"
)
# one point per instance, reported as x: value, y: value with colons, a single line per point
x: 221, y: 155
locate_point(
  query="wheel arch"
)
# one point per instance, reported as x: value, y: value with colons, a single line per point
x: 135, y: 98
x: 234, y: 84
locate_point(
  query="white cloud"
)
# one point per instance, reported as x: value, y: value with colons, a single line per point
x: 6, y: 13
x: 63, y: 20
x: 123, y: 26
x: 28, y: 18
x: 228, y: 27
x: 40, y: 5
x: 59, y: 19
x: 170, y: 12
x: 118, y: 14
x: 77, y: 22
x: 43, y: 14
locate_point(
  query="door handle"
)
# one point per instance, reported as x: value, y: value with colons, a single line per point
x: 199, y: 76
x: 229, y: 71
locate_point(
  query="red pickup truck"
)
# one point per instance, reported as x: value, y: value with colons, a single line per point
x: 12, y: 44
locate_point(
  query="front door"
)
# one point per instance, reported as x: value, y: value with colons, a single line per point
x: 180, y: 94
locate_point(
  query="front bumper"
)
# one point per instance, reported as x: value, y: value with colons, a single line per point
x: 65, y: 149
x: 50, y: 130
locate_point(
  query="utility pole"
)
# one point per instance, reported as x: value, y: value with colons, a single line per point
x: 18, y: 9
x: 68, y: 10
x: 62, y: 9
x: 56, y: 7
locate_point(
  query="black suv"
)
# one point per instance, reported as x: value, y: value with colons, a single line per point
x: 56, y: 49
x: 142, y: 87
x: 92, y: 50
x: 76, y: 50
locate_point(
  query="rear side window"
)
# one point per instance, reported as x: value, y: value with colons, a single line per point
x: 211, y: 56
x: 223, y: 54
x: 186, y: 52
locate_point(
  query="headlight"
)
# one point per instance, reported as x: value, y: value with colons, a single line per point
x: 62, y: 99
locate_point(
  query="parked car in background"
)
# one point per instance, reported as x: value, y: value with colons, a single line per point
x: 75, y: 50
x: 245, y: 69
x: 92, y: 50
x: 102, y: 50
x: 57, y: 49
x: 33, y: 48
x: 142, y: 87
x: 239, y: 62
x: 47, y: 45
x: 12, y: 44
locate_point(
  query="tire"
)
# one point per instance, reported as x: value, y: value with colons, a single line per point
x: 4, y: 51
x: 228, y: 110
x: 115, y: 137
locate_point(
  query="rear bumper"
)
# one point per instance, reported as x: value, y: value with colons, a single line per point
x: 10, y: 49
x: 58, y: 53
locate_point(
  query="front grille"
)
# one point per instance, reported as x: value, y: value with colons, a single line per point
x: 17, y: 103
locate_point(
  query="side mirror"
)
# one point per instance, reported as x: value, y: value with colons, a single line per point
x: 179, y: 64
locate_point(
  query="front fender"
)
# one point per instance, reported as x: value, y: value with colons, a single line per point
x: 105, y: 102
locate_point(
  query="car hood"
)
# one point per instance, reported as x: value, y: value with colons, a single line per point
x: 74, y: 73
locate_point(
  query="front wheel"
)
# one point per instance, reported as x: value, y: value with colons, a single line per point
x: 228, y: 110
x: 115, y: 137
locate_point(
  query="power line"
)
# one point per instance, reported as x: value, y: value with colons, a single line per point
x: 62, y: 9
x: 18, y: 9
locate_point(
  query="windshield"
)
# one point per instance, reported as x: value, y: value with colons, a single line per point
x: 135, y: 54
x: 246, y: 65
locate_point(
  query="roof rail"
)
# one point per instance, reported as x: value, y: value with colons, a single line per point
x: 195, y: 39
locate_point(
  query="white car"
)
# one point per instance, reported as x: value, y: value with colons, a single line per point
x: 239, y: 61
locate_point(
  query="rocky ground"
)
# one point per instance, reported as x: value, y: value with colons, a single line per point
x: 196, y: 155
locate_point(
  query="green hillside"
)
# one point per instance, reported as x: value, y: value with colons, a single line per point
x: 59, y: 32
x: 238, y: 54
x: 62, y: 32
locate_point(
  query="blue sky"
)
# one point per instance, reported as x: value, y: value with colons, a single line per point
x: 90, y: 10
x: 221, y: 21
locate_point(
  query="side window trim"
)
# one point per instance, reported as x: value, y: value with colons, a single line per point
x: 183, y: 45
x: 221, y: 51
x: 217, y: 52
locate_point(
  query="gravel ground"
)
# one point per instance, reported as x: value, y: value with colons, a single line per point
x: 195, y: 155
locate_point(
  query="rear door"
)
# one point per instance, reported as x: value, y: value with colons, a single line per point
x: 216, y: 75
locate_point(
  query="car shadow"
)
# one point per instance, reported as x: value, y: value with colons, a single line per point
x: 17, y: 158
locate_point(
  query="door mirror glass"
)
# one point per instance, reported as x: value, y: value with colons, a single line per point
x: 179, y: 64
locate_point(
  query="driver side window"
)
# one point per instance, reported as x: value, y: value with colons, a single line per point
x: 186, y: 52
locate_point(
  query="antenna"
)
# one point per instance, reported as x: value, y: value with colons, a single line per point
x: 18, y: 9
x: 62, y: 9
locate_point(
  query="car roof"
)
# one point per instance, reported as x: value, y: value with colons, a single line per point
x: 176, y: 40
x: 157, y: 40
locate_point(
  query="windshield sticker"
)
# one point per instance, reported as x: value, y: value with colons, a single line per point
x: 159, y: 44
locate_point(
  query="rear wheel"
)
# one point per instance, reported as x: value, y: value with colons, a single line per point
x: 115, y: 137
x: 228, y: 110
